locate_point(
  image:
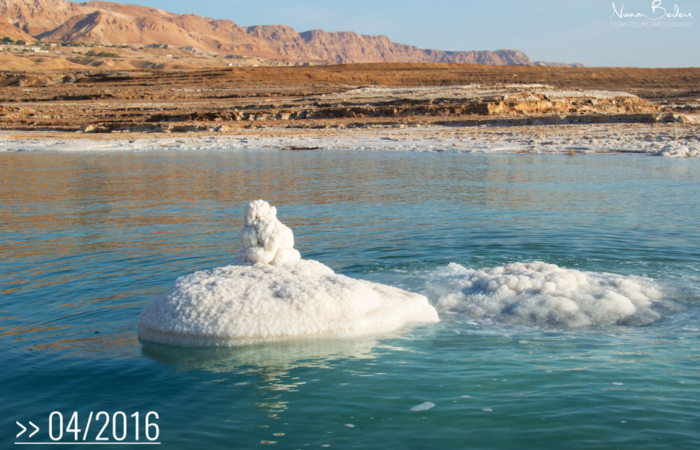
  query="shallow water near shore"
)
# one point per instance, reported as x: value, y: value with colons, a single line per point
x: 87, y: 240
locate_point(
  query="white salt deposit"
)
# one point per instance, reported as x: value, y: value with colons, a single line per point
x: 265, y: 239
x: 585, y: 138
x: 271, y: 294
x: 546, y: 295
x: 679, y: 151
x: 423, y: 407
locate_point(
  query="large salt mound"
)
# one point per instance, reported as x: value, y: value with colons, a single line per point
x: 546, y: 295
x: 271, y: 294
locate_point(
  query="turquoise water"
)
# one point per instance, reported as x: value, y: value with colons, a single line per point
x: 88, y: 239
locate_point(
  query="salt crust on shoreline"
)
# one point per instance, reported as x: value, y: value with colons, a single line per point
x: 582, y: 139
x: 271, y: 294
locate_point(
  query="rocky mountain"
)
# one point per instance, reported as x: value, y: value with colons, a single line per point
x: 12, y: 32
x: 115, y: 23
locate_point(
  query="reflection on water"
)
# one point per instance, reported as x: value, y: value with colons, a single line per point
x: 272, y: 364
x: 95, y: 235
x: 83, y: 191
x: 88, y: 239
x: 269, y: 360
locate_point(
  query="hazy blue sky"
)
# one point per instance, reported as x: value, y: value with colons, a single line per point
x: 547, y: 30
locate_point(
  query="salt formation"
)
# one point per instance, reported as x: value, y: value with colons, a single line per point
x: 547, y: 295
x: 679, y: 151
x: 265, y: 239
x: 271, y: 294
x: 423, y: 407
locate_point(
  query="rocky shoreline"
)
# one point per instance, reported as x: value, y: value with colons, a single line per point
x: 445, y: 107
x: 669, y: 139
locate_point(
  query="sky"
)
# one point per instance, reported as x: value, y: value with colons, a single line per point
x: 590, y: 32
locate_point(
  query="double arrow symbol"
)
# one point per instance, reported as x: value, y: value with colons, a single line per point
x: 24, y: 429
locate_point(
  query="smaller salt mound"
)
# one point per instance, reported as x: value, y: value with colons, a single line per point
x: 679, y: 151
x: 271, y: 294
x: 546, y: 295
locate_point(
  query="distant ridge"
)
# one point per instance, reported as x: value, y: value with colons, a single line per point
x: 115, y: 23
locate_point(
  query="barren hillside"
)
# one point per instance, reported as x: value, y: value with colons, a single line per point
x: 116, y: 24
